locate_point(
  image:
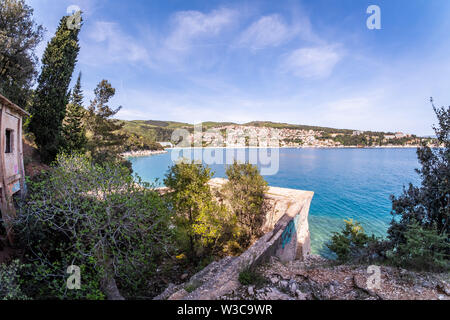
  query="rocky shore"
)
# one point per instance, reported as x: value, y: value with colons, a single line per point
x: 142, y: 153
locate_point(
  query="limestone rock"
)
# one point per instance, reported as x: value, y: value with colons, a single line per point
x: 275, y: 294
x: 179, y: 295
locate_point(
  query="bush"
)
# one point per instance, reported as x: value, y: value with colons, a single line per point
x: 250, y: 276
x: 352, y: 243
x: 424, y: 249
x: 10, y: 281
x: 245, y: 192
x: 96, y: 217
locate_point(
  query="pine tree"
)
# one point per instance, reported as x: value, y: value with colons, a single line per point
x: 74, y: 128
x: 428, y: 204
x: 106, y: 141
x: 51, y: 97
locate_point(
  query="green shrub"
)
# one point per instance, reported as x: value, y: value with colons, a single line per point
x: 10, y: 281
x: 352, y: 243
x: 245, y: 192
x: 190, y: 287
x: 424, y: 249
x: 99, y: 218
x: 250, y: 276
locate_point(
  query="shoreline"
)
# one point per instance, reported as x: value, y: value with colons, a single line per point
x: 301, y: 147
x: 142, y: 153
x: 146, y: 153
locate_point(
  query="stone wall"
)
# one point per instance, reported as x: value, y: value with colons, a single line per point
x: 286, y: 237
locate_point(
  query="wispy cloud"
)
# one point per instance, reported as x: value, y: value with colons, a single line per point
x: 312, y: 62
x: 268, y: 31
x: 108, y: 44
x: 189, y: 26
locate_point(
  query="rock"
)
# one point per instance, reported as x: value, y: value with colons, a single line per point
x: 170, y: 290
x: 251, y: 291
x: 444, y: 288
x: 293, y: 288
x: 179, y: 295
x: 274, y: 280
x: 300, y: 295
x: 184, y: 276
x: 442, y: 297
x: 283, y: 284
x: 277, y: 295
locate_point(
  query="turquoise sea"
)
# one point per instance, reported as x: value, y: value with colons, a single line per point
x: 348, y: 183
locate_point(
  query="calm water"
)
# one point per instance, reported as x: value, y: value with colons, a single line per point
x: 348, y: 183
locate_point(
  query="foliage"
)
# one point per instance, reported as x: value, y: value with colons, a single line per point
x: 424, y: 249
x: 351, y: 243
x: 48, y: 109
x: 136, y: 143
x: 203, y: 225
x: 419, y: 231
x: 10, y: 281
x: 250, y: 276
x: 19, y: 36
x: 244, y: 192
x: 74, y: 130
x: 96, y: 217
x: 105, y: 142
x: 429, y: 204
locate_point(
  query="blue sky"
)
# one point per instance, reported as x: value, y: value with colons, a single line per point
x: 304, y: 62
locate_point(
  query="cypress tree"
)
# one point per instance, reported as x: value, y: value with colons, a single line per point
x: 49, y: 105
x: 74, y: 129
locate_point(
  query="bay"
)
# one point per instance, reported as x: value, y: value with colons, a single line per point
x: 348, y: 183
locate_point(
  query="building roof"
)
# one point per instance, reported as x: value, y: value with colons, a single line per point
x: 4, y: 100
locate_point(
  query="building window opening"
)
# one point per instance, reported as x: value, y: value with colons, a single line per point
x: 9, y: 141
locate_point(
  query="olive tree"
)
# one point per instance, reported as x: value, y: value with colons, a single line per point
x: 99, y: 218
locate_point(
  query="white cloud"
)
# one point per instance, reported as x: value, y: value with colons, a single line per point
x: 267, y: 31
x: 109, y: 44
x: 312, y: 62
x: 191, y: 25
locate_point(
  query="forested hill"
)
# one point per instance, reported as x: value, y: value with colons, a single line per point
x: 162, y: 130
x: 291, y: 135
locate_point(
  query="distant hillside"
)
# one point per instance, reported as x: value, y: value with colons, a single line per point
x: 146, y: 133
x: 162, y: 130
x: 276, y: 125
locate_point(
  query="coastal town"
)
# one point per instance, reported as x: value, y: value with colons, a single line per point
x: 235, y: 136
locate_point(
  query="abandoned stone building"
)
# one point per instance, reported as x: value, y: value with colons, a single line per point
x: 12, y: 174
